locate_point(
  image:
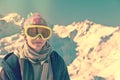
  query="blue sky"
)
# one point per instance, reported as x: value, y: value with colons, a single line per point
x: 64, y: 12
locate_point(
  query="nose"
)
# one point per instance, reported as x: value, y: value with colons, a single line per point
x: 39, y: 37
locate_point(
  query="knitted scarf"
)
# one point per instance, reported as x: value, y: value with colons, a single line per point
x: 43, y: 57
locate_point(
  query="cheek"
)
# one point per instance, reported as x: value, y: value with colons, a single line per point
x: 44, y: 42
x: 29, y: 41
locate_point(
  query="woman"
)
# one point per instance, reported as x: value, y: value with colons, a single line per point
x: 35, y: 59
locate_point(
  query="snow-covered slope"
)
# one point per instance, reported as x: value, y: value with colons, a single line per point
x: 98, y: 50
x: 91, y: 49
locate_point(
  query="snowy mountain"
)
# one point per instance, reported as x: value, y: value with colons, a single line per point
x: 97, y: 49
x: 90, y: 50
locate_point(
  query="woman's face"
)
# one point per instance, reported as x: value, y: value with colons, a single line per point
x: 37, y: 35
x: 35, y: 44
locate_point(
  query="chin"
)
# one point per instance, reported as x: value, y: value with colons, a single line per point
x: 37, y: 48
x: 38, y: 45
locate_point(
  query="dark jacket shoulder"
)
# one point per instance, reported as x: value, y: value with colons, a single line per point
x: 11, y: 66
x: 11, y: 59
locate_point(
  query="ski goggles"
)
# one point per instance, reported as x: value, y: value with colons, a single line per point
x: 35, y: 31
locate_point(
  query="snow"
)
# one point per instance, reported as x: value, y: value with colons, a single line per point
x: 97, y: 49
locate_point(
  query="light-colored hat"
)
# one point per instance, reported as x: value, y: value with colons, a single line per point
x: 35, y: 19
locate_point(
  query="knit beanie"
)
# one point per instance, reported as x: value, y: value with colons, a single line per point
x: 35, y: 19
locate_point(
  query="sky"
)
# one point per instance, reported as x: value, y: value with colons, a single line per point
x: 65, y: 12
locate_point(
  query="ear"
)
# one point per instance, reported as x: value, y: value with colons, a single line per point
x: 25, y: 38
x: 23, y: 34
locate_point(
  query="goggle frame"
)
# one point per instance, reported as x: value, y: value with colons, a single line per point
x: 37, y: 26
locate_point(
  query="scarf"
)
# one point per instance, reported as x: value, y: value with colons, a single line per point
x: 26, y: 53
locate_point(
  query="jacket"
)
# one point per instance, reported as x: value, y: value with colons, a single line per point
x: 11, y: 67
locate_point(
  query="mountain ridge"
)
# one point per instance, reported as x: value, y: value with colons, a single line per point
x: 96, y: 48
